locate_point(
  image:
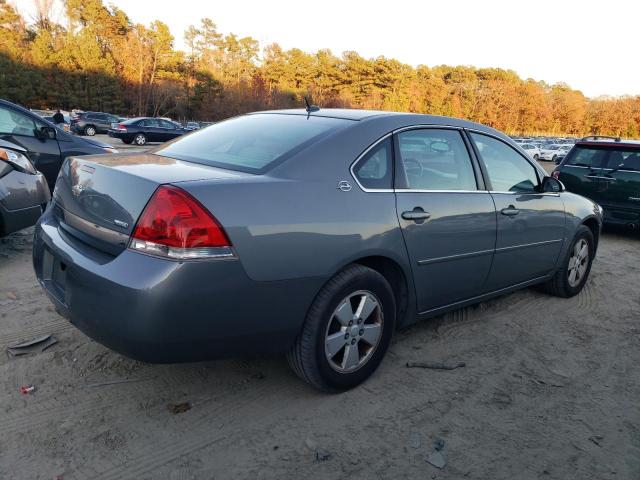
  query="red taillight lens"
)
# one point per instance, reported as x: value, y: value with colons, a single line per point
x: 174, y: 224
x: 556, y: 174
x: 122, y: 127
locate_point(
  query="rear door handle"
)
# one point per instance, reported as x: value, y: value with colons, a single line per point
x: 510, y: 211
x: 417, y: 214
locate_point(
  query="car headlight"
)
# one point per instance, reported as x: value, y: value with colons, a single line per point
x: 18, y: 161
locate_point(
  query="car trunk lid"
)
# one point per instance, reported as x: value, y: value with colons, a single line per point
x: 98, y: 199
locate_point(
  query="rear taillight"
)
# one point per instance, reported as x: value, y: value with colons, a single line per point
x: 176, y: 225
x: 122, y: 128
x: 556, y: 174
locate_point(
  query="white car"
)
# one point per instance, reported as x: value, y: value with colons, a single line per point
x: 551, y: 152
x: 531, y: 149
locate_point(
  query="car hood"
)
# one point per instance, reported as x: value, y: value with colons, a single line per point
x: 11, y: 145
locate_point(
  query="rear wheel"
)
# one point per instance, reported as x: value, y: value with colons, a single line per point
x: 574, y: 271
x: 90, y: 130
x: 347, y: 330
x: 140, y: 139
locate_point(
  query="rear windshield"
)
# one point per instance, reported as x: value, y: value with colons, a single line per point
x: 251, y: 143
x: 604, y: 157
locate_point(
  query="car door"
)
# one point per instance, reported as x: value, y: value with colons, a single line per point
x: 447, y: 217
x: 582, y: 171
x: 19, y: 127
x: 152, y: 130
x: 531, y: 225
x: 621, y: 197
x: 168, y: 130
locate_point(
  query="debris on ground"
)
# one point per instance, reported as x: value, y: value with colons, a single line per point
x: 114, y: 382
x: 12, y: 296
x: 435, y: 365
x: 27, y: 389
x: 176, y: 408
x: 322, y: 455
x: 35, y: 345
x: 596, y: 439
x: 415, y: 440
x: 436, y: 458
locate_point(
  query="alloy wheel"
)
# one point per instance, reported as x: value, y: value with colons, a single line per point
x: 353, y: 332
x: 578, y: 262
x: 90, y: 131
x: 140, y: 140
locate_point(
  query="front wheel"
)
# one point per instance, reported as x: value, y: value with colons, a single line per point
x: 574, y: 270
x: 346, y: 332
x: 536, y: 157
x: 140, y: 139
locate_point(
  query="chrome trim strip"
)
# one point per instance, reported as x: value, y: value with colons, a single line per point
x: 409, y: 190
x: 460, y: 256
x: 526, y: 245
x: 90, y: 228
x: 427, y: 125
x: 538, y: 194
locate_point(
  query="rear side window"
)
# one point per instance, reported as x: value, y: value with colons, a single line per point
x: 251, y: 143
x: 508, y: 170
x: 434, y: 159
x: 374, y: 169
x: 604, y: 157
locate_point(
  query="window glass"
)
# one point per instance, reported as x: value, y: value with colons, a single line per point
x: 151, y: 122
x: 167, y: 124
x: 251, y: 142
x: 587, y: 157
x: 435, y: 159
x: 374, y: 169
x: 508, y: 170
x: 16, y: 123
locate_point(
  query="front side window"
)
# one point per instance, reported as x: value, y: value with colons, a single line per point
x: 16, y: 123
x: 374, y: 169
x: 508, y: 170
x: 435, y: 159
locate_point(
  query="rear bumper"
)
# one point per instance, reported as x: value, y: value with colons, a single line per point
x: 164, y: 311
x: 617, y: 215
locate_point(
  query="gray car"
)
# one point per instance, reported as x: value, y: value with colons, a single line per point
x: 24, y: 193
x: 311, y: 233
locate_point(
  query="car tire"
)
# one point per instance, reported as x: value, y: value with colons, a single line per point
x: 90, y: 130
x: 563, y: 284
x: 536, y: 157
x: 140, y: 139
x: 336, y: 349
x: 554, y: 158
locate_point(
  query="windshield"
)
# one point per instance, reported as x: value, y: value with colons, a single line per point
x: 251, y: 143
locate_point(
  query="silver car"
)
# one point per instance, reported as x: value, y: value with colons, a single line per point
x: 24, y: 193
x: 315, y: 233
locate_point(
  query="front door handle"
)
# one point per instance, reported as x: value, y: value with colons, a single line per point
x: 510, y: 211
x: 417, y: 214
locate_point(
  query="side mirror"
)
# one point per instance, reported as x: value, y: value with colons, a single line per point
x: 551, y: 185
x: 45, y: 133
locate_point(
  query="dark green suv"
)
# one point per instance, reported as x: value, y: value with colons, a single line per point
x: 607, y: 170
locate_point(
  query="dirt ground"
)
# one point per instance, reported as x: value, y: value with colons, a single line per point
x: 550, y: 390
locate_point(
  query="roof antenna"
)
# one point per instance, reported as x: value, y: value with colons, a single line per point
x: 310, y: 107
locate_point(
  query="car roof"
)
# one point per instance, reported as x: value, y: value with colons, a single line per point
x: 609, y: 143
x: 400, y: 118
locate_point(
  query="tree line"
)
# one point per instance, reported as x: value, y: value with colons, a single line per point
x: 98, y: 59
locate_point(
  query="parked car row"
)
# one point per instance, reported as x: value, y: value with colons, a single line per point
x: 552, y: 149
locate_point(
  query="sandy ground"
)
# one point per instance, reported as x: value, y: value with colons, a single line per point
x: 550, y: 390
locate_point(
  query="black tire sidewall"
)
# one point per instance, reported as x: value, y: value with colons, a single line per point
x: 585, y: 233
x: 376, y: 284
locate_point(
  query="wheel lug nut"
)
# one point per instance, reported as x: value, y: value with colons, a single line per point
x: 361, y: 332
x: 350, y: 322
x: 359, y: 321
x: 346, y: 336
x: 353, y: 341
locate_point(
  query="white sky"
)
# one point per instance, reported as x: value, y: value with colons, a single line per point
x: 592, y: 45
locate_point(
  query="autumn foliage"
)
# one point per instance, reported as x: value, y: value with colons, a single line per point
x: 100, y: 60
